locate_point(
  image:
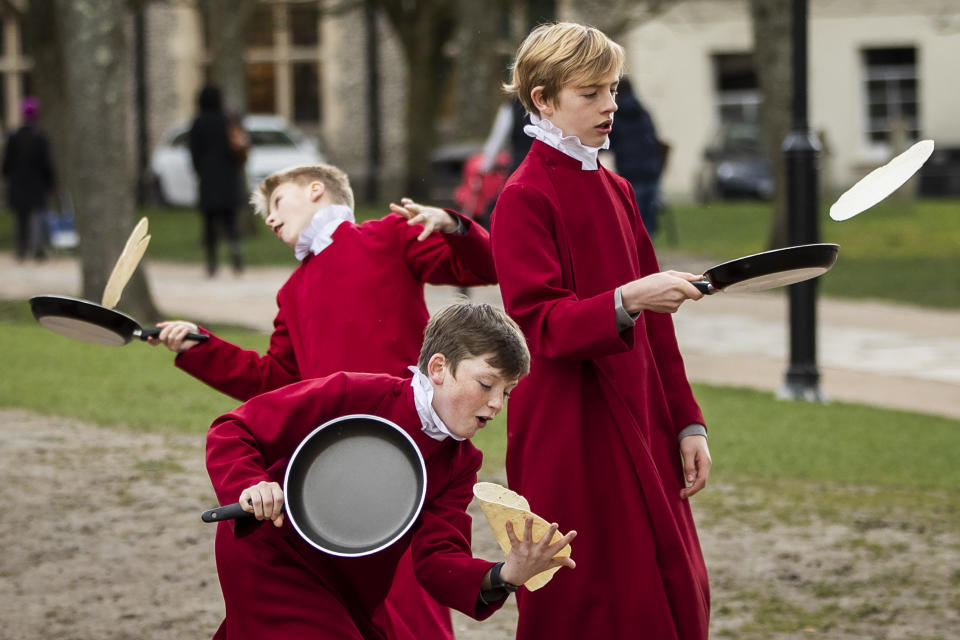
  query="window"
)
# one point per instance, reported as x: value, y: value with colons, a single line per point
x: 261, y: 26
x: 306, y: 92
x: 304, y: 26
x: 260, y: 88
x: 890, y: 77
x: 737, y: 88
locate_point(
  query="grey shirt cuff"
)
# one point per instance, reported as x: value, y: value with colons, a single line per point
x: 461, y: 225
x: 625, y: 320
x: 692, y: 430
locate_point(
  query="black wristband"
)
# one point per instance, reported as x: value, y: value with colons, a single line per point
x: 499, y: 583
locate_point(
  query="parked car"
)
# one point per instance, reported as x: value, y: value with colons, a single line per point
x: 735, y: 165
x: 274, y: 144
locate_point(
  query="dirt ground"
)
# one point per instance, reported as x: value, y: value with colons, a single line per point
x: 102, y: 539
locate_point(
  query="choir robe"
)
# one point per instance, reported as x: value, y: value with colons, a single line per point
x: 275, y: 584
x: 358, y: 305
x: 592, y: 431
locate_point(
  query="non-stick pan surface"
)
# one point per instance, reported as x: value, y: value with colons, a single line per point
x: 354, y: 486
x: 90, y: 322
x: 770, y: 269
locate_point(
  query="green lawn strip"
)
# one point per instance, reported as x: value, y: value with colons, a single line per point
x: 898, y: 251
x: 752, y: 434
x: 905, y: 252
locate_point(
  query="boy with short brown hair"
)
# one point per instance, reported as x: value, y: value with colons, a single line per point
x: 606, y: 412
x: 276, y: 585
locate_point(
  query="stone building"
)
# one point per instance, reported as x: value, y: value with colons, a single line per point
x: 874, y: 65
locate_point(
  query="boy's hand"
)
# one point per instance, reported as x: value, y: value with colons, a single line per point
x: 662, y: 292
x: 172, y: 334
x: 696, y: 464
x: 528, y: 558
x: 432, y: 218
x: 265, y: 501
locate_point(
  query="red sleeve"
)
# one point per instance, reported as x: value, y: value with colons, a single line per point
x: 526, y: 252
x: 243, y: 373
x: 443, y: 558
x: 254, y: 442
x: 684, y: 409
x: 450, y: 258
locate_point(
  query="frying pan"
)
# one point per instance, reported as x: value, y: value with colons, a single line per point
x: 91, y: 322
x: 770, y: 269
x: 354, y: 486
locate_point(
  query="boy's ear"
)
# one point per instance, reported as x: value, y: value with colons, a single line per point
x: 317, y: 189
x: 543, y: 106
x: 436, y: 368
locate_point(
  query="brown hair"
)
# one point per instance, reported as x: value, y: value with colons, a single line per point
x: 466, y: 330
x: 558, y: 54
x: 334, y: 179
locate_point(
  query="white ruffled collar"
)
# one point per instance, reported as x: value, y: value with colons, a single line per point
x: 548, y: 133
x: 423, y: 399
x: 319, y: 233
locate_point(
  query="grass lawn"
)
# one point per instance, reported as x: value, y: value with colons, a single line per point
x: 753, y: 435
x: 176, y: 235
x: 838, y: 520
x: 902, y: 252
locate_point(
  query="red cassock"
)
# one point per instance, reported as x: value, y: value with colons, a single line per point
x: 592, y: 431
x: 276, y: 585
x: 358, y: 305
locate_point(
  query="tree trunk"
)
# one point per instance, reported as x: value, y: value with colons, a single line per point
x: 229, y: 22
x: 480, y: 68
x: 772, y: 52
x: 97, y: 95
x: 424, y: 27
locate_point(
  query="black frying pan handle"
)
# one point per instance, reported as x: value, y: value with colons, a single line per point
x: 153, y: 333
x: 227, y: 512
x: 704, y: 287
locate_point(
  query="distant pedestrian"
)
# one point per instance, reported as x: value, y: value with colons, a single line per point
x: 29, y: 177
x: 218, y: 162
x: 638, y: 152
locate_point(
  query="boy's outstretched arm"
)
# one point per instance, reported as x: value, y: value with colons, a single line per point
x: 432, y: 218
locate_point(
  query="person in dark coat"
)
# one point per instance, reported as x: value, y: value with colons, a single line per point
x: 219, y: 171
x: 638, y: 152
x: 29, y: 175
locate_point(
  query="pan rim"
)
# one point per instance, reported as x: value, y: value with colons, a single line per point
x: 399, y: 534
x: 822, y: 245
x: 51, y: 305
x: 822, y: 255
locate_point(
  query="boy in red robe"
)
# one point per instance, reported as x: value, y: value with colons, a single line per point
x: 276, y: 585
x: 355, y: 303
x: 606, y: 410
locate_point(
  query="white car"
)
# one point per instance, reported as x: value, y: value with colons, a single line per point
x: 274, y: 144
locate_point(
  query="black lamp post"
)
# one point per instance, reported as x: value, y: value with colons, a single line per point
x: 800, y: 150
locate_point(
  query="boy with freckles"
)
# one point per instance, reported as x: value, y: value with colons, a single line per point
x: 355, y: 303
x: 606, y: 412
x: 276, y: 585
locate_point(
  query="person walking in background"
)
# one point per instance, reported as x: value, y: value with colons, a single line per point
x: 218, y: 162
x: 639, y: 153
x: 29, y: 177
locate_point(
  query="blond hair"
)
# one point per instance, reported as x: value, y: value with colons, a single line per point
x: 334, y: 179
x: 467, y: 330
x: 559, y: 54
